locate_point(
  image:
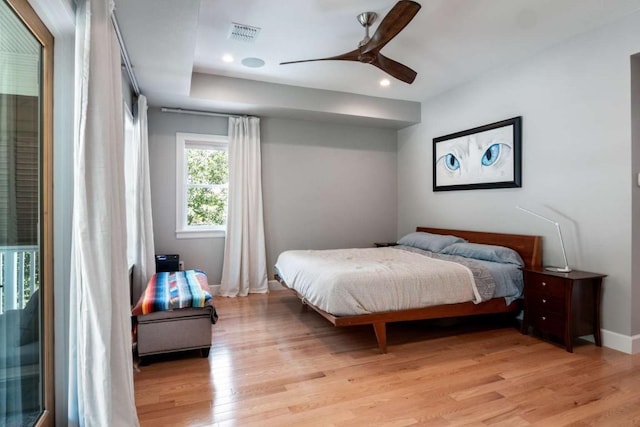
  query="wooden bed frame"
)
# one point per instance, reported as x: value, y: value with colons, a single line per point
x: 529, y: 248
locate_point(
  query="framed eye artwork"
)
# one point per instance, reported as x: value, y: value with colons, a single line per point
x: 484, y: 157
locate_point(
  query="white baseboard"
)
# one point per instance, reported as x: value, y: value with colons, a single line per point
x: 624, y: 343
x: 274, y: 285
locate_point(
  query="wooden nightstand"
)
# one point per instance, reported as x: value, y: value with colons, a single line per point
x: 566, y: 305
x: 385, y: 244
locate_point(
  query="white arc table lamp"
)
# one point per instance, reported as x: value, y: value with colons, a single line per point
x: 566, y: 268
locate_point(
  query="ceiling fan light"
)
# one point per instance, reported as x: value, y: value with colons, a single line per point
x: 366, y: 19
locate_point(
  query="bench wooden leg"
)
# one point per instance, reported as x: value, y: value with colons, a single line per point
x: 381, y: 335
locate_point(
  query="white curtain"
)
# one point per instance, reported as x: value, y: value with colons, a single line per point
x: 100, y: 363
x: 245, y: 263
x: 143, y: 250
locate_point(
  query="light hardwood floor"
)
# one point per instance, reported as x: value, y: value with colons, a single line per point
x: 272, y: 364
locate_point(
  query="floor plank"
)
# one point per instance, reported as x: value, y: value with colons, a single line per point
x: 274, y: 364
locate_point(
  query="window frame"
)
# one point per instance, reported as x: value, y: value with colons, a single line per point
x: 183, y: 142
x: 25, y: 12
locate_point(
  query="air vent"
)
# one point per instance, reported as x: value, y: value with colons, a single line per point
x: 245, y: 33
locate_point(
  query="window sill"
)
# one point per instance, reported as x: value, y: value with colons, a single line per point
x: 200, y: 234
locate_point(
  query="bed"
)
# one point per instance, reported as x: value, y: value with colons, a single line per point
x: 290, y: 269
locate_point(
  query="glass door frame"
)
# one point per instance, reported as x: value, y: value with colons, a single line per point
x: 42, y: 34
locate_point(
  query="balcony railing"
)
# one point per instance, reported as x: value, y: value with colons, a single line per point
x: 18, y: 276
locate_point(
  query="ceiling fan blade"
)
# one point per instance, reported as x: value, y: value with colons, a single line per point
x: 349, y: 56
x: 394, y: 68
x: 398, y: 17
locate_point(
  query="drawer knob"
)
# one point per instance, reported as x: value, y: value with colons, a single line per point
x: 544, y: 301
x: 544, y: 318
x: 544, y: 284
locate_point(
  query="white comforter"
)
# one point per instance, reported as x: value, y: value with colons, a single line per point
x: 360, y: 281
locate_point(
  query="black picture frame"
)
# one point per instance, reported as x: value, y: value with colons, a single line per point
x: 484, y: 157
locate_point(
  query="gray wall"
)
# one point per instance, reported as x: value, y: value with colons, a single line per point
x: 635, y: 194
x: 575, y: 103
x: 327, y: 185
x: 204, y: 254
x: 324, y: 186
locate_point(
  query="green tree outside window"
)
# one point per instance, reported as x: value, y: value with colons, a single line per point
x: 207, y: 186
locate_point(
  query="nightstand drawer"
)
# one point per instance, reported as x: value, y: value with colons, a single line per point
x: 545, y: 285
x: 566, y: 305
x: 551, y: 323
x: 545, y: 303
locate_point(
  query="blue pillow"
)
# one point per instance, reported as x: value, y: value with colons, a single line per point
x: 429, y: 242
x: 485, y: 252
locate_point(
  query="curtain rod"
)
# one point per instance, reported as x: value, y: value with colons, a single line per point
x: 125, y: 56
x: 195, y: 112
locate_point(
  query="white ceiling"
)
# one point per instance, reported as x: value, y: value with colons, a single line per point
x: 448, y: 43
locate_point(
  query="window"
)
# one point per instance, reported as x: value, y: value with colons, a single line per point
x: 26, y: 232
x: 202, y: 185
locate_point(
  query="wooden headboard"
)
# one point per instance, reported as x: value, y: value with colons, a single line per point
x: 529, y: 247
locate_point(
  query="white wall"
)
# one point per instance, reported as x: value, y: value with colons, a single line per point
x: 324, y: 186
x: 62, y: 213
x: 575, y: 103
x: 58, y: 16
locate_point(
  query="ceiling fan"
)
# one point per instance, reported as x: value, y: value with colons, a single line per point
x: 368, y: 51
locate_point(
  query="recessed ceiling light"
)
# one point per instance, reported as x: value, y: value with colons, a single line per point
x: 385, y: 82
x: 253, y: 62
x: 227, y: 57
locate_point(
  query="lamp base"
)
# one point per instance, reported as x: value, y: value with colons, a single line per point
x: 559, y: 269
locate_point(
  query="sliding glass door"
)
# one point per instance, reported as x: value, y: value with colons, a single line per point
x: 25, y: 206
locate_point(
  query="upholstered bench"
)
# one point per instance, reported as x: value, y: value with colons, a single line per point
x: 176, y: 330
x: 164, y: 329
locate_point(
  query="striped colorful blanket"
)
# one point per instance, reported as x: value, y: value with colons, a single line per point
x: 177, y: 289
